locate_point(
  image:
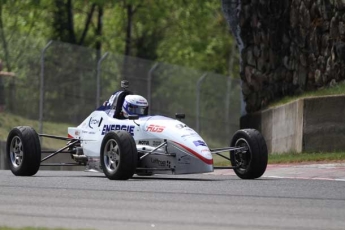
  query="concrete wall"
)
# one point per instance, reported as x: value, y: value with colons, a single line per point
x: 324, y: 124
x: 282, y: 126
x: 312, y: 124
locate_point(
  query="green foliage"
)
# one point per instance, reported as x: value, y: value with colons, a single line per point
x: 190, y: 33
x: 306, y: 157
x: 197, y: 37
x: 338, y: 89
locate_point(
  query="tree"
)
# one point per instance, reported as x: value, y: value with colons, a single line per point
x: 16, y: 18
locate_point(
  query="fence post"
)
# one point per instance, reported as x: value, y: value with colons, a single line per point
x: 42, y: 88
x: 198, y: 84
x: 149, y: 79
x: 227, y: 104
x: 98, y: 93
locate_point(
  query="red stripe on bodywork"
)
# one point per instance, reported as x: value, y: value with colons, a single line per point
x: 70, y: 136
x: 205, y: 160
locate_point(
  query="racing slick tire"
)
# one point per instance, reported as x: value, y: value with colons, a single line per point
x: 23, y: 151
x: 119, y: 155
x: 253, y: 161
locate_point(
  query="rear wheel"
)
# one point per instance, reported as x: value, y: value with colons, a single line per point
x: 118, y: 155
x: 23, y: 151
x: 252, y: 160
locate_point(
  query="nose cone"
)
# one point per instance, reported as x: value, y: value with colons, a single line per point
x: 192, y: 142
x: 181, y: 135
x: 198, y: 149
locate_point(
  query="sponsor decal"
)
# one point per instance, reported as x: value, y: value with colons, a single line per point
x: 92, y: 133
x: 184, y: 160
x: 155, y: 128
x: 143, y: 142
x: 179, y: 126
x: 202, y: 158
x: 93, y: 121
x: 112, y: 98
x: 108, y: 128
x: 199, y: 143
x: 188, y: 135
x: 160, y: 163
x: 206, y: 151
x: 84, y: 131
x: 76, y: 133
x: 156, y: 143
x: 141, y: 102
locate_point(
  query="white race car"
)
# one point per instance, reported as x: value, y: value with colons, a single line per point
x: 145, y: 145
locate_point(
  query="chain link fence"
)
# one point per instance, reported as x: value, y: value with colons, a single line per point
x: 66, y: 83
x: 21, y: 56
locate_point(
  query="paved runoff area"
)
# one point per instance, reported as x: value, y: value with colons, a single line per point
x: 313, y: 200
x: 312, y: 171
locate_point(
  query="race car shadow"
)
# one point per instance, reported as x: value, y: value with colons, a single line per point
x: 137, y: 178
x: 173, y: 178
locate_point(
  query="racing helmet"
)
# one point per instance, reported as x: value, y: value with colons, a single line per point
x: 135, y: 105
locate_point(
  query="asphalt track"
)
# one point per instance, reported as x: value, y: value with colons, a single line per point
x: 219, y: 200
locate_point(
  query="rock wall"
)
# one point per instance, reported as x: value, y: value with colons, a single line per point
x: 289, y: 46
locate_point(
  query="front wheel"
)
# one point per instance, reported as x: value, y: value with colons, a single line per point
x: 118, y: 155
x: 251, y: 161
x: 23, y: 151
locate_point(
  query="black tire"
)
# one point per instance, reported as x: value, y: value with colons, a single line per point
x: 253, y: 161
x: 23, y: 151
x: 119, y: 155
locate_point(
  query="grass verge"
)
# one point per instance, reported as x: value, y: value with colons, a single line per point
x: 306, y: 157
x: 338, y: 89
x: 8, y: 121
x: 288, y: 158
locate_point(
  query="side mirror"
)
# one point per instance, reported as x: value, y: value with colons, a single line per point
x: 133, y: 117
x: 180, y: 116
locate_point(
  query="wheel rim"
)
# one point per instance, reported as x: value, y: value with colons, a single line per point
x: 16, y: 152
x: 111, y: 155
x: 243, y: 158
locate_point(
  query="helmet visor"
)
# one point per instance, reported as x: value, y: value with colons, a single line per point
x: 139, y: 110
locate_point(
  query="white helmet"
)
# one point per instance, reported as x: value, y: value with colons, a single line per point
x: 135, y: 105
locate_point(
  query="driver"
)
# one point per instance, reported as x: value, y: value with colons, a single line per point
x: 109, y: 106
x: 135, y: 105
x: 123, y: 103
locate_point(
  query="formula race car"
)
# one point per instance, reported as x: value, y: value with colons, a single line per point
x: 144, y: 145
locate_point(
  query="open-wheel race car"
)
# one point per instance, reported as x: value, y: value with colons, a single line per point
x: 142, y: 145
